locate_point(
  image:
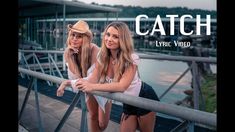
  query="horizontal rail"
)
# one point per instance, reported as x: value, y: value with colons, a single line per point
x: 169, y: 109
x: 147, y: 56
x: 45, y: 65
x: 179, y: 58
x: 42, y: 51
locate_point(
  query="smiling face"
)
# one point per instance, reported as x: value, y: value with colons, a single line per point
x: 112, y: 38
x: 76, y: 39
x: 117, y: 44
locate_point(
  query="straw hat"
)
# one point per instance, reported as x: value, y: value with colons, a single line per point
x: 80, y: 27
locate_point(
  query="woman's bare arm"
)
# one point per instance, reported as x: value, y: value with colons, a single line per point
x: 120, y: 86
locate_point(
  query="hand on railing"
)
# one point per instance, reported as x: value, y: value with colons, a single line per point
x: 84, y: 85
x: 60, y: 90
x: 63, y: 85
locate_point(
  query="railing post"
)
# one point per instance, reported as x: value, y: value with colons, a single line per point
x: 37, y: 105
x: 57, y: 69
x: 34, y: 69
x: 195, y: 76
x: 181, y: 127
x: 190, y: 126
x: 68, y: 112
x: 195, y: 86
x: 84, y: 126
x: 35, y: 58
x: 50, y: 67
x: 20, y: 61
x: 26, y: 98
x: 26, y: 63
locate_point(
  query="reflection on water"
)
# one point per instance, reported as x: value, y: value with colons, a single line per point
x: 161, y: 74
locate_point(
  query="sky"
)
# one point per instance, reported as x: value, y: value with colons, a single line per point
x: 191, y: 4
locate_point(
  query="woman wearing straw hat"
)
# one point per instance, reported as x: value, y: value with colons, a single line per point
x: 80, y: 56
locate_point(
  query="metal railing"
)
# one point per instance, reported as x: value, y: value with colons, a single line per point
x: 169, y: 109
x: 189, y: 115
x: 51, y: 56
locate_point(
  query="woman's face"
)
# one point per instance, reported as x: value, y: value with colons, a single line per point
x: 76, y: 39
x: 112, y: 38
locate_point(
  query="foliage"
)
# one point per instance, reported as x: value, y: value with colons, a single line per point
x: 133, y: 11
x: 209, y: 93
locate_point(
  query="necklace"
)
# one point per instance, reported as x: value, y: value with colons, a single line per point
x: 76, y: 51
x: 113, y: 60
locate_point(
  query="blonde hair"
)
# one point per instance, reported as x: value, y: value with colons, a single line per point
x: 83, y: 62
x: 124, y: 58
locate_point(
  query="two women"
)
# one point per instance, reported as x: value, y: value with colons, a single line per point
x: 116, y: 70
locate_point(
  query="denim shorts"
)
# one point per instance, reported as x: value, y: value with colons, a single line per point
x: 146, y: 91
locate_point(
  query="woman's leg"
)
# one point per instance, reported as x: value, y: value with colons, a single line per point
x: 92, y: 107
x: 128, y: 123
x: 104, y: 117
x: 147, y: 122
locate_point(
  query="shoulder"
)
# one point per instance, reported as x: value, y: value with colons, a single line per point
x: 95, y: 49
x: 135, y: 58
x: 66, y: 50
x: 66, y: 54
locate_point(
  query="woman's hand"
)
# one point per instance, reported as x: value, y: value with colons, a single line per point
x: 84, y: 85
x: 60, y: 90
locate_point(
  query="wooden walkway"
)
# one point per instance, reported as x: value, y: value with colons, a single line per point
x: 53, y: 108
x: 51, y: 111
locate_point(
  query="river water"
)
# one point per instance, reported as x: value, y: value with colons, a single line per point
x: 161, y: 74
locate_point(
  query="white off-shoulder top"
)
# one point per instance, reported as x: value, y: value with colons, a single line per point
x: 135, y: 86
x: 100, y: 100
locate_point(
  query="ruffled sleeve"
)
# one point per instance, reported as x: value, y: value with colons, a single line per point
x: 136, y: 59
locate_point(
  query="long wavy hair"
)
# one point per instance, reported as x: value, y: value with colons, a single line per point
x: 80, y: 63
x: 123, y: 56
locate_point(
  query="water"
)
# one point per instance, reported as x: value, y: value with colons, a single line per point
x: 161, y: 74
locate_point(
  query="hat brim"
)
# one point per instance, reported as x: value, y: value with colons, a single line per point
x: 70, y: 27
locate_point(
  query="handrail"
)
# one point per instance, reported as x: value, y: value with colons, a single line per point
x: 202, y: 117
x: 180, y: 58
x: 42, y: 51
x: 144, y: 56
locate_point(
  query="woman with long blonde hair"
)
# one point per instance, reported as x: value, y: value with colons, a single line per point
x: 116, y: 71
x: 80, y: 56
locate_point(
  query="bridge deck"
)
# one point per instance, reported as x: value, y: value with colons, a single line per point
x: 51, y: 111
